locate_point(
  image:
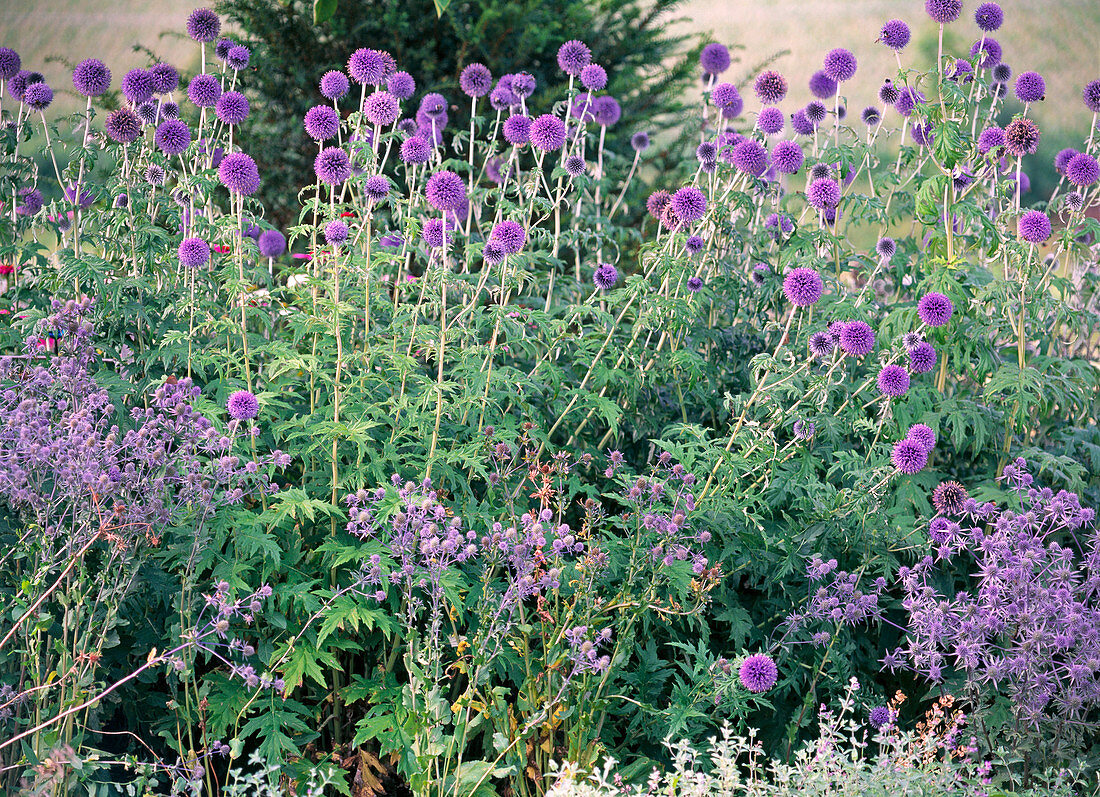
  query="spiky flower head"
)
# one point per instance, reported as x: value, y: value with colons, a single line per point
x: 510, y: 235
x: 382, y: 108
x: 194, y: 252
x: 715, y: 58
x: 893, y: 381
x: 1091, y: 95
x: 336, y: 232
x: 639, y: 142
x: 1073, y: 201
x: 1034, y: 226
x: 239, y: 174
x: 172, y: 137
x: 822, y: 86
x: 894, y: 34
x: 1002, y: 73
x: 204, y: 90
x: 1062, y: 159
x: 823, y: 193
x: 770, y: 87
x: 91, y: 77
x: 870, y: 116
x: 243, y: 405
x: 271, y: 243
x: 990, y: 139
x: 949, y: 498
x: 434, y: 231
x: 376, y: 187
x: 1030, y: 87
x: 238, y: 57
x: 574, y: 166
x: 758, y: 673
x: 689, y: 204
x: 332, y: 166
x: 573, y: 56
x: 548, y: 133
x: 321, y: 122
x: 889, y: 93
x: 232, y: 108
x: 694, y: 244
x: 856, y: 338
x: 935, y: 309
x: 606, y: 110
x: 922, y: 434
x: 787, y: 157
x: 909, y: 456
x: 987, y: 51
x: 770, y: 121
x: 1021, y: 137
x: 605, y: 276
x: 880, y: 716
x: 370, y: 67
x: 840, y: 64
x: 907, y: 101
x: 476, y: 80
x: 445, y: 191
x: 1082, y: 170
x: 727, y: 98
x: 415, y: 149
x: 38, y: 96
x: 203, y: 25
x: 594, y: 77
x: 10, y: 63
x: 155, y: 174
x: 694, y: 284
x: 803, y: 286
x: 750, y: 157
x: 523, y: 84
x: 816, y: 112
x: 801, y: 123
x: 922, y: 358
x: 821, y: 344
x: 943, y: 11
x: 334, y: 85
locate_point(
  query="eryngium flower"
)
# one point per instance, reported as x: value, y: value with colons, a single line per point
x: 332, y: 166
x: 172, y: 137
x: 822, y: 86
x: 991, y: 138
x: 715, y: 58
x: 1082, y: 170
x: 38, y: 96
x: 574, y: 166
x: 239, y: 174
x: 445, y: 191
x: 606, y: 111
x: 336, y: 232
x: 823, y: 193
x: 804, y: 430
x: 382, y: 108
x: 856, y: 338
x: 237, y: 58
x: 893, y: 380
x: 787, y: 157
x: 949, y: 498
x: 758, y: 673
x: 10, y: 63
x: 943, y: 11
x: 726, y: 98
x: 750, y: 157
x: 909, y: 456
x: 593, y: 77
x: 770, y: 87
x: 840, y: 64
x: 770, y: 120
x: 1034, y: 226
x: 657, y: 202
x: 821, y: 344
x: 1030, y: 87
x: 1021, y: 137
x: 510, y: 235
x: 573, y: 56
x: 934, y: 309
x: 369, y: 67
x: 91, y: 77
x: 243, y: 406
x: 548, y: 133
x: 1091, y: 95
x: 894, y: 34
x: 194, y: 252
x: 803, y: 286
x: 123, y: 126
x: 415, y: 149
x: 605, y: 276
x: 271, y: 243
x: 232, y: 108
x: 922, y: 358
x: 689, y: 204
x: 639, y: 142
x: 476, y: 80
x: 880, y: 715
x: 203, y: 25
x: 923, y: 435
x: 335, y: 84
x: 204, y: 90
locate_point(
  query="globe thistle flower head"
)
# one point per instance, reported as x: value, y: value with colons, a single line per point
x: 935, y: 309
x: 382, y: 108
x: 1021, y: 137
x: 990, y: 139
x: 238, y: 57
x: 573, y: 56
x: 239, y: 174
x: 801, y: 123
x: 510, y: 235
x: 893, y: 381
x: 840, y: 64
x: 885, y: 248
x: 803, y: 287
x: 804, y: 430
x: 606, y: 111
x: 30, y: 201
x: 203, y: 25
x: 726, y: 98
x: 758, y: 673
x: 922, y: 358
x: 321, y: 122
x: 445, y: 191
x: 943, y: 11
x: 434, y: 231
x: 949, y: 498
x: 986, y: 52
x: 376, y: 187
x: 17, y: 85
x: 243, y: 405
x: 38, y: 96
x: 888, y: 93
x: 332, y: 166
x: 819, y: 170
x: 856, y: 338
x: 1091, y: 95
x: 155, y: 174
x: 689, y: 204
x: 870, y: 116
x: 989, y: 17
x: 821, y: 344
x: 475, y: 80
x: 770, y: 87
x: 1062, y: 159
x: 1002, y: 73
x: 823, y: 193
x: 822, y: 86
x: 779, y: 225
x: 760, y: 273
x: 493, y: 253
x: 656, y: 203
x: 694, y: 244
x: 335, y: 85
x: 148, y: 112
x: 194, y: 252
x: 232, y: 108
x: 548, y: 133
x: 415, y: 149
x: 605, y: 276
x: 770, y: 120
x: 787, y: 157
x: 91, y: 77
x: 574, y: 166
x: 880, y: 716
x: 172, y: 137
x: 169, y: 110
x: 271, y: 243
x: 369, y: 67
x: 1034, y: 226
x: 962, y: 71
x: 1073, y: 201
x: 639, y: 142
x: 517, y: 129
x: 909, y: 456
x: 336, y: 232
x: 715, y: 58
x: 502, y: 98
x: 204, y: 90
x: 523, y: 84
x: 816, y: 112
x: 1030, y: 87
x: 750, y: 157
x: 222, y: 48
x: 907, y: 101
x: 694, y: 284
x: 593, y: 77
x: 1082, y: 170
x: 894, y: 34
x: 10, y: 63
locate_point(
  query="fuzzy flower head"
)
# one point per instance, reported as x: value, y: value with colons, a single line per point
x: 334, y: 85
x: 332, y: 166
x: 476, y: 80
x: 243, y: 405
x: 573, y: 56
x: 893, y: 380
x: 445, y: 191
x: 907, y: 101
x: 1082, y: 170
x: 237, y: 58
x: 856, y: 338
x: 606, y: 110
x: 715, y: 58
x: 949, y: 498
x: 894, y: 34
x: 382, y: 108
x: 239, y: 174
x: 758, y: 673
x: 415, y: 149
x: 336, y: 232
x: 194, y: 252
x: 823, y: 193
x: 787, y: 157
x: 321, y: 122
x: 510, y: 235
x: 770, y: 121
x: 548, y: 133
x: 750, y: 157
x: 38, y: 96
x: 909, y: 456
x: 1091, y: 96
x: 935, y: 309
x: 172, y: 137
x: 593, y: 77
x: 770, y: 87
x: 943, y: 11
x: 91, y: 77
x: 1030, y: 87
x: 605, y: 276
x: 639, y: 142
x: 822, y: 86
x: 922, y: 434
x: 990, y: 139
x: 370, y: 67
x: 922, y: 358
x: 801, y: 123
x: 840, y: 65
x: 232, y: 108
x: 10, y: 63
x: 880, y: 716
x: 1034, y: 226
x: 689, y: 204
x: 203, y: 25
x: 204, y: 90
x: 271, y: 243
x: 1021, y: 137
x: 803, y: 286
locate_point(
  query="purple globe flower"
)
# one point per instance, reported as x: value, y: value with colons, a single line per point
x: 169, y: 110
x: 415, y: 149
x: 400, y: 85
x: 870, y: 116
x: 376, y: 187
x: 694, y: 284
x: 548, y: 133
x: 510, y: 235
x: 222, y: 48
x: 172, y: 137
x: 856, y: 338
x: 605, y: 276
x: 880, y: 716
x: 271, y: 243
x: 639, y: 142
x: 203, y: 25
x: 787, y: 157
x: 770, y: 87
x: 840, y: 64
x: 770, y: 121
x: 148, y: 112
x: 1082, y: 170
x: 91, y: 77
x: 517, y: 129
x: 822, y: 86
x: 336, y: 232
x: 657, y: 202
x: 750, y: 157
x: 593, y: 77
x: 894, y: 34
x: 573, y: 56
x: 689, y: 204
x: 334, y: 85
x: 476, y: 80
x: 332, y: 166
x: 1062, y: 159
x: 816, y: 112
x: 801, y: 123
x: 715, y: 58
x: 1091, y: 95
x: 726, y: 98
x: 445, y: 191
x: 204, y: 90
x: 1030, y: 87
x: 155, y: 174
x: 821, y: 344
x: 893, y: 381
x: 1034, y: 226
x: 38, y: 96
x: 239, y: 174
x: 804, y: 430
x: 943, y: 11
x: 779, y: 225
x: 1002, y: 73
x: 493, y: 253
x: 232, y: 108
x: 922, y: 358
x: 523, y: 84
x: 803, y: 286
x: 991, y: 138
x: 889, y: 93
x: 909, y: 456
x: 164, y: 78
x: 823, y: 193
x: 1021, y: 137
x: 18, y: 84
x: 382, y: 108
x: 369, y: 67
x: 606, y: 111
x: 758, y: 673
x: 575, y: 166
x: 989, y: 17
x: 10, y: 63
x: 987, y: 52
x: 243, y: 406
x: 694, y: 244
x: 30, y: 201
x: 433, y: 232
x: 194, y: 252
x: 908, y: 99
x: 237, y: 58
x: 935, y: 309
x: 923, y: 435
